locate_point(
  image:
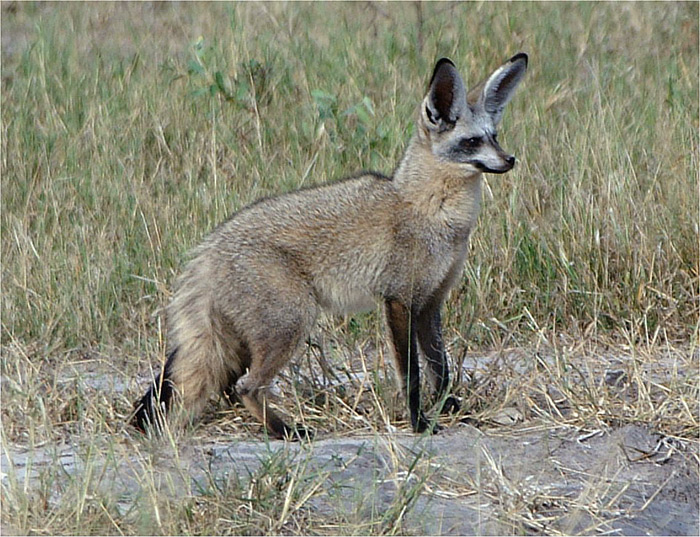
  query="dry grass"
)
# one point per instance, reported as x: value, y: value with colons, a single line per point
x: 78, y: 469
x: 126, y: 137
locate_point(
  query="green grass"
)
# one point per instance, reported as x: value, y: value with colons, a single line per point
x: 129, y: 131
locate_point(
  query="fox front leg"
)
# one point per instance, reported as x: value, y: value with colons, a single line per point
x: 429, y: 328
x: 402, y: 325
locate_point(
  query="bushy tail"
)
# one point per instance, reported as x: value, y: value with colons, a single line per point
x: 150, y: 410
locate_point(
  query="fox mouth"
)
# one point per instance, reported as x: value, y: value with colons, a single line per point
x: 486, y: 169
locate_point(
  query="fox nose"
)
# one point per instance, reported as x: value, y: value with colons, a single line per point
x: 510, y: 159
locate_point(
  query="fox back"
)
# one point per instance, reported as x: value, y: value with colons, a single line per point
x: 253, y: 289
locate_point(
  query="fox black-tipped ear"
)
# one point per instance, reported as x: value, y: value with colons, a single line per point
x: 446, y: 98
x: 438, y: 66
x: 499, y: 88
x: 519, y: 56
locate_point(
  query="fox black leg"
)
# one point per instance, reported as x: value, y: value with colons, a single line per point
x: 433, y: 347
x: 402, y: 325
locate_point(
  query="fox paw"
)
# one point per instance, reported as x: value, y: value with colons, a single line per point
x: 423, y: 424
x: 450, y: 406
x: 299, y: 433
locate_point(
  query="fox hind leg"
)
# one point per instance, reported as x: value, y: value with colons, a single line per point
x: 252, y: 389
x: 271, y: 347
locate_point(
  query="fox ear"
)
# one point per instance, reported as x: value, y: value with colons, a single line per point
x: 495, y: 92
x: 446, y: 100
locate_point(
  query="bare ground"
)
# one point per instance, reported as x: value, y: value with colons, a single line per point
x: 508, y: 476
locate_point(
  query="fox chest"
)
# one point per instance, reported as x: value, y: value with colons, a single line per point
x: 429, y: 268
x: 454, y: 271
x: 446, y: 264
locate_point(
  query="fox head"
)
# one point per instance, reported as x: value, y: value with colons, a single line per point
x: 460, y: 126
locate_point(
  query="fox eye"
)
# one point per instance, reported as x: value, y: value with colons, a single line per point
x: 472, y: 142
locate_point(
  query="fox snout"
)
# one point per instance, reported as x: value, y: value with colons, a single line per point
x: 508, y: 163
x: 508, y: 160
x: 491, y: 158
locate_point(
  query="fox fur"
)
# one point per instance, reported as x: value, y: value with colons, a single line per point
x: 253, y: 289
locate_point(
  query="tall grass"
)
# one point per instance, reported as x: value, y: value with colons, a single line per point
x: 131, y: 130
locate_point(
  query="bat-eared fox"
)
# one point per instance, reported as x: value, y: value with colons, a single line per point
x: 250, y: 295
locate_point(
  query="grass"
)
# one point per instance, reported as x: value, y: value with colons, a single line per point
x: 130, y: 130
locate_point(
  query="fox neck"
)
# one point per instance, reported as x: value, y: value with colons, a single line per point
x: 440, y: 191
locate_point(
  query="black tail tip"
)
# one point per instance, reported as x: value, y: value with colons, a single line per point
x: 149, y: 411
x: 140, y: 418
x: 143, y: 416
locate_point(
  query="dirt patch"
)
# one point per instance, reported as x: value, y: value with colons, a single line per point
x: 463, y: 481
x: 544, y: 444
x: 479, y: 480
